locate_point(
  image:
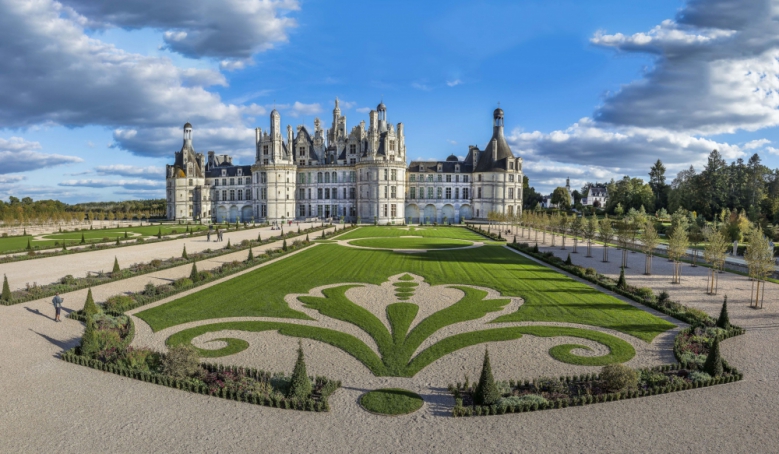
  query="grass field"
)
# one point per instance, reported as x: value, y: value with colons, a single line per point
x: 426, y: 232
x: 391, y: 401
x: 18, y: 243
x: 548, y: 297
x: 411, y: 243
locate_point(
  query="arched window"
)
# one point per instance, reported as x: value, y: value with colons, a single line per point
x: 248, y: 194
x: 319, y: 177
x: 327, y: 177
x: 335, y: 177
x: 240, y: 195
x: 232, y: 194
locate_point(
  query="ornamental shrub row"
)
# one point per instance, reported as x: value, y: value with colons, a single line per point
x: 488, y: 234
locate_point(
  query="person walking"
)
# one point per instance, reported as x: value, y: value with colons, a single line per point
x: 57, y: 302
x: 208, y: 236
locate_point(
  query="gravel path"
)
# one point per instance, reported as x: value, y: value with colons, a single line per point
x: 49, y: 405
x: 47, y: 270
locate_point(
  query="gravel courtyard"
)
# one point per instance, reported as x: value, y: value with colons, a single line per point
x: 50, y: 405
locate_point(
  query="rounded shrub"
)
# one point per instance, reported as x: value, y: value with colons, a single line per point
x: 617, y: 377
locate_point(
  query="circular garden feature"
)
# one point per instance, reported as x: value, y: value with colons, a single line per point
x: 391, y: 401
x: 411, y: 243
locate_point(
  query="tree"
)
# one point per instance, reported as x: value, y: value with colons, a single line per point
x: 677, y: 248
x: 658, y: 184
x: 649, y: 241
x: 284, y: 246
x: 760, y: 261
x: 622, y: 283
x: 623, y: 237
x: 193, y: 275
x: 90, y: 345
x: 184, y: 253
x: 90, y: 308
x: 590, y: 231
x: 6, y: 296
x: 300, y: 385
x: 486, y: 392
x: 116, y: 269
x: 29, y: 245
x: 713, y: 364
x: 606, y: 234
x: 724, y: 321
x: 83, y: 240
x: 228, y: 244
x: 714, y: 253
x: 563, y: 222
x: 561, y: 198
x: 251, y: 256
x: 577, y: 229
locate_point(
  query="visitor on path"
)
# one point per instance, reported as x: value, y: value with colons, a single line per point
x: 57, y: 302
x: 208, y: 236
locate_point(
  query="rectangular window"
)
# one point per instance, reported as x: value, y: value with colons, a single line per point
x: 240, y: 181
x: 351, y: 193
x: 385, y: 192
x: 429, y: 193
x: 302, y: 210
x: 248, y: 194
x: 345, y: 194
x: 302, y: 193
x: 430, y: 178
x: 352, y: 161
x: 240, y: 195
x: 440, y: 178
x: 302, y: 162
x: 386, y: 172
x: 232, y: 194
x: 448, y: 178
x: 412, y: 178
x: 479, y: 193
x: 393, y: 192
x: 263, y: 177
x: 413, y: 193
x: 511, y: 193
x: 456, y: 193
x: 448, y: 193
x: 319, y: 210
x: 264, y: 210
x: 511, y: 178
x: 265, y: 149
x: 439, y: 193
x: 392, y: 145
x: 224, y: 181
x: 352, y: 149
x: 466, y: 192
x: 393, y: 210
x: 309, y: 193
x: 319, y: 193
x: 264, y: 162
x: 465, y: 179
x: 351, y: 177
x: 302, y: 151
x: 384, y: 209
x: 394, y: 174
x: 309, y: 178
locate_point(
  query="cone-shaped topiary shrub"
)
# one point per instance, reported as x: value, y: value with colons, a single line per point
x: 622, y: 283
x: 724, y: 321
x: 29, y: 245
x: 64, y: 248
x: 568, y: 260
x: 251, y: 256
x: 193, y: 273
x: 515, y: 239
x: 159, y: 233
x: 117, y: 241
x: 116, y: 265
x: 535, y: 248
x: 90, y: 308
x: 83, y: 240
x: 486, y: 392
x: 89, y: 342
x: 284, y: 246
x: 259, y: 238
x: 6, y: 296
x: 228, y: 244
x: 307, y: 240
x: 300, y: 385
x: 125, y: 234
x: 713, y: 364
x: 323, y: 233
x: 184, y: 253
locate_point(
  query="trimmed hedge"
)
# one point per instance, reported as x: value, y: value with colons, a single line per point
x: 480, y: 231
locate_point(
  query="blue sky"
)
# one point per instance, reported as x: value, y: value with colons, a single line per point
x: 95, y: 92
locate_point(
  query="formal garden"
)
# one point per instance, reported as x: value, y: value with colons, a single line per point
x: 398, y: 301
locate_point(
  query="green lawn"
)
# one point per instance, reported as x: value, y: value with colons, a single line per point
x: 18, y: 243
x: 427, y: 232
x: 391, y: 401
x: 411, y: 243
x: 549, y: 297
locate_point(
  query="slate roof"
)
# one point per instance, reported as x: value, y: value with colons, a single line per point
x: 486, y: 163
x: 232, y: 171
x: 432, y: 166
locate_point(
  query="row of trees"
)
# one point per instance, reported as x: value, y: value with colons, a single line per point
x: 26, y: 212
x: 639, y: 232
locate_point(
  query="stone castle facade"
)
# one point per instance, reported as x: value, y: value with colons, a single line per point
x: 359, y: 176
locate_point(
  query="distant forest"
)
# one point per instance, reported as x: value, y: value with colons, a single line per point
x: 36, y: 212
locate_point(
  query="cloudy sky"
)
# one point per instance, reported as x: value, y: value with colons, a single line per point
x: 93, y: 93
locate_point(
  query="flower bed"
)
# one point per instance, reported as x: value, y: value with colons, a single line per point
x: 70, y: 283
x: 692, y: 348
x: 113, y: 354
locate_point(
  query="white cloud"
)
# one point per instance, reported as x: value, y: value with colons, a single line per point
x: 229, y: 30
x: 451, y: 142
x: 772, y: 150
x: 454, y: 83
x: 19, y: 155
x: 421, y: 86
x: 716, y: 70
x: 9, y: 179
x: 130, y: 171
x: 127, y: 184
x: 363, y: 110
x: 298, y: 108
x: 754, y: 144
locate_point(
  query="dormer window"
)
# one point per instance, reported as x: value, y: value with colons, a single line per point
x: 224, y: 172
x: 457, y: 167
x: 240, y: 172
x: 264, y: 149
x: 392, y: 145
x: 440, y: 168
x: 511, y: 166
